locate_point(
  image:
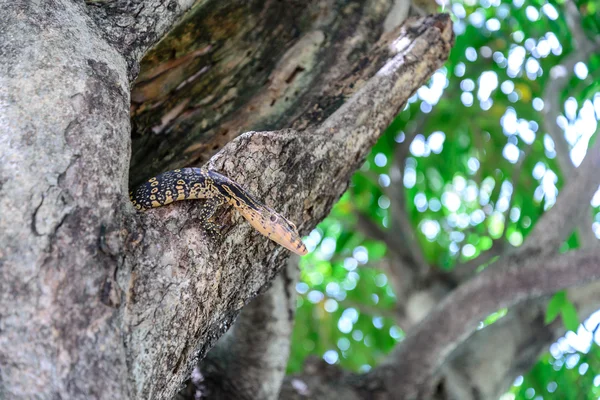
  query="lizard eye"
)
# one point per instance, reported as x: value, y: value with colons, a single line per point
x: 273, y: 218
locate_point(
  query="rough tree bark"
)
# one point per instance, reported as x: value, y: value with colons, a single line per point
x: 249, y: 362
x: 99, y: 302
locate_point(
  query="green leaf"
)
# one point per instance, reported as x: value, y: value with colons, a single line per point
x: 569, y: 316
x: 555, y: 306
x: 560, y: 304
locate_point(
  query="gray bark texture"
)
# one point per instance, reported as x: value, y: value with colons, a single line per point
x: 250, y: 360
x: 97, y: 301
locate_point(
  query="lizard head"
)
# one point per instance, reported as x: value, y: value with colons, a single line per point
x: 276, y: 227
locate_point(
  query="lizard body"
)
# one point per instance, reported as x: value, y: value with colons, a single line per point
x: 216, y: 189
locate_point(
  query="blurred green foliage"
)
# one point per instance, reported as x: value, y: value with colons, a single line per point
x: 471, y: 160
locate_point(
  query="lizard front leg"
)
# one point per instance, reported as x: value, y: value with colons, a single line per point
x: 207, y: 211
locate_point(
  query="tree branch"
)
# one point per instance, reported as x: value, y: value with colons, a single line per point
x: 486, y: 365
x: 399, y: 220
x: 373, y: 310
x: 516, y: 279
x: 561, y: 75
x: 446, y: 327
x: 558, y: 222
x: 423, y: 351
x: 249, y: 361
x: 466, y: 270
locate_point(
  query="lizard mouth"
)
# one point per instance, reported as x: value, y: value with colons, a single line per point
x: 278, y: 229
x: 294, y: 244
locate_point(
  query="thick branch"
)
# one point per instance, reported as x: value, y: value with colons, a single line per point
x: 480, y: 368
x: 486, y: 365
x: 511, y: 282
x: 233, y: 67
x: 249, y: 361
x: 425, y: 348
x: 466, y: 270
x: 547, y: 236
x: 572, y: 203
x: 561, y: 75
